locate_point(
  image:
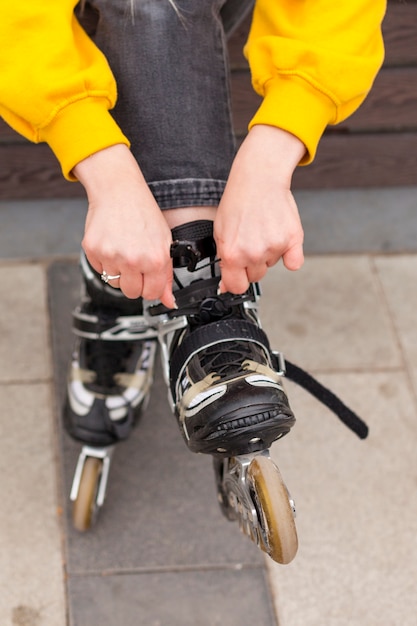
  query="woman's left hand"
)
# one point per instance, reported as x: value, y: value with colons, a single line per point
x: 257, y: 222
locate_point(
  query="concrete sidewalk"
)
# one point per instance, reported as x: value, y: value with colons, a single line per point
x: 161, y: 553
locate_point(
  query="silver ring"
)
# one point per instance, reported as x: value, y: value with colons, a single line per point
x: 106, y: 277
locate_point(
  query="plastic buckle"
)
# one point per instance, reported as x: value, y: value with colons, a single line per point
x: 278, y: 361
x: 185, y: 254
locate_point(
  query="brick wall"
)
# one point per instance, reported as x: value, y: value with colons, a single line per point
x: 377, y: 146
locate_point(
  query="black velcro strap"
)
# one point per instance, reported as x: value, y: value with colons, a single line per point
x: 328, y: 398
x: 190, y: 299
x: 216, y: 332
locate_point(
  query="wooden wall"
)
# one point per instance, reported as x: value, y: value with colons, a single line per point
x: 376, y: 147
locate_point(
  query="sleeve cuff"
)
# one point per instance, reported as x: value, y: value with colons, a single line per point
x: 79, y: 130
x: 292, y: 105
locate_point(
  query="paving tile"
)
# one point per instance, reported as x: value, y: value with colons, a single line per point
x: 358, y: 220
x: 329, y: 315
x: 24, y: 347
x: 356, y: 508
x: 31, y: 574
x: 398, y: 275
x: 203, y: 598
x: 41, y: 228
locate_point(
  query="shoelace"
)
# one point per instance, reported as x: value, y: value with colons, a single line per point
x: 227, y: 360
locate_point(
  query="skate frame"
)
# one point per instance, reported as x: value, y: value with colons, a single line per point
x: 103, y: 454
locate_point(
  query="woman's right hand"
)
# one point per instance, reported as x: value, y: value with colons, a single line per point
x: 125, y: 231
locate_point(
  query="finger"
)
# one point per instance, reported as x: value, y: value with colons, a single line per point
x: 233, y: 280
x: 168, y: 298
x: 111, y: 279
x: 161, y: 290
x: 131, y: 285
x: 158, y: 286
x: 115, y: 283
x: 256, y: 272
x: 293, y: 258
x: 94, y: 263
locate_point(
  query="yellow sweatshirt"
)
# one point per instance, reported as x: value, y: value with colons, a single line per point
x: 312, y: 61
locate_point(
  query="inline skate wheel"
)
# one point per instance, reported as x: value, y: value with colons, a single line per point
x: 275, y: 513
x: 84, y: 506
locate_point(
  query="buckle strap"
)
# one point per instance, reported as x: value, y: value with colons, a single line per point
x: 122, y: 328
x: 201, y: 298
x: 328, y: 398
x: 187, y: 254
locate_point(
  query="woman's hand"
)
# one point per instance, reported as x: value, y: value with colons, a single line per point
x: 257, y: 221
x: 125, y: 232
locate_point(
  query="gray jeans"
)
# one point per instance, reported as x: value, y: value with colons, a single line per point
x: 172, y: 73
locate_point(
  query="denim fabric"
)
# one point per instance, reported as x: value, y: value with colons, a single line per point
x: 172, y: 73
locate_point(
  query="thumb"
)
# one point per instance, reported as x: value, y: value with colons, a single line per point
x: 167, y: 297
x: 293, y: 258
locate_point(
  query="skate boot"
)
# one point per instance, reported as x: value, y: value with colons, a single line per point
x: 109, y: 381
x: 226, y: 390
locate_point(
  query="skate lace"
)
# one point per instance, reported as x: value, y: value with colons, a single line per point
x: 105, y: 359
x: 228, y: 360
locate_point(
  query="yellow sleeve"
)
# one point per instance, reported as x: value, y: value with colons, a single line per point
x: 313, y: 62
x: 56, y: 86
